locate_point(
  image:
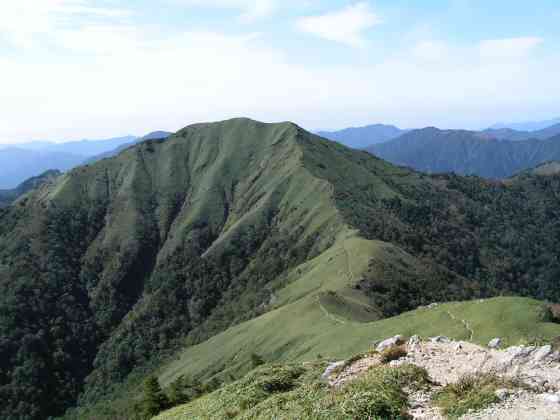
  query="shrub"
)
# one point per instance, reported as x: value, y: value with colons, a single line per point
x: 473, y: 392
x: 393, y: 353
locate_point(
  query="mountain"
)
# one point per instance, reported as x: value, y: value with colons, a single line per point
x: 155, y: 135
x: 82, y: 148
x: 528, y: 126
x: 17, y: 165
x: 466, y: 152
x: 515, y: 135
x: 238, y: 237
x: 362, y: 137
x: 9, y: 196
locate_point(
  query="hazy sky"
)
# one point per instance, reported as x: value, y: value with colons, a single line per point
x: 85, y: 68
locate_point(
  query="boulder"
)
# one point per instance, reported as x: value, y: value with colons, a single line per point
x: 502, y: 393
x: 495, y: 343
x: 330, y: 369
x: 542, y: 352
x: 390, y: 342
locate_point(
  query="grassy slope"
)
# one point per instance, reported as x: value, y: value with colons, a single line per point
x: 302, y: 327
x: 514, y: 319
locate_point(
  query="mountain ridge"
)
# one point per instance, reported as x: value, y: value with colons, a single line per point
x: 466, y: 152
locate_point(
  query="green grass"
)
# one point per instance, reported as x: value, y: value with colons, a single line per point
x: 301, y: 326
x: 470, y: 393
x: 296, y: 391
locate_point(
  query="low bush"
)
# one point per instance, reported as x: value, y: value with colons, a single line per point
x: 474, y: 392
x: 393, y: 353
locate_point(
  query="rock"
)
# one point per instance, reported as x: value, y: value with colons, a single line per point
x: 542, y: 352
x: 440, y: 339
x: 518, y: 352
x: 495, y: 343
x: 414, y: 341
x: 330, y: 369
x: 390, y: 342
x: 458, y: 347
x: 502, y: 394
x: 551, y: 398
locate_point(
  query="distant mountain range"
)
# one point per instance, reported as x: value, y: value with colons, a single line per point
x: 18, y: 163
x: 528, y: 125
x: 516, y: 135
x: 83, y: 147
x: 466, y: 152
x: 362, y: 137
x: 155, y: 135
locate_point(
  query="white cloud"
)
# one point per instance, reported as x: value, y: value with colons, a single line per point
x: 22, y: 22
x: 250, y: 10
x: 108, y: 77
x: 508, y: 48
x: 431, y: 50
x: 346, y: 26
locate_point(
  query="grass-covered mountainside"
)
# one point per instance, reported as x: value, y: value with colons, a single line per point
x: 292, y: 240
x: 9, y: 196
x: 466, y: 152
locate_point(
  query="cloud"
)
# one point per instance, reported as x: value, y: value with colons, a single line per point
x: 22, y: 22
x: 430, y: 50
x: 508, y: 48
x: 346, y: 26
x: 250, y: 10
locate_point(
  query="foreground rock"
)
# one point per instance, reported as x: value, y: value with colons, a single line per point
x: 536, y: 370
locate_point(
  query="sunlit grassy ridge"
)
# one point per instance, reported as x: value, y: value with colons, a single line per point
x: 515, y: 320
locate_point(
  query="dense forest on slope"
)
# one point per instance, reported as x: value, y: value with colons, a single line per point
x: 466, y: 152
x: 120, y: 262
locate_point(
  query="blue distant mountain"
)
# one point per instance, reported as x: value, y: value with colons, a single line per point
x: 83, y: 148
x: 528, y: 125
x: 362, y: 137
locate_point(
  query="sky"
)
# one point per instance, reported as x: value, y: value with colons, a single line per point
x: 72, y: 69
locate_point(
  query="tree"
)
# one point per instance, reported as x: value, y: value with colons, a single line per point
x: 154, y: 400
x: 178, y: 392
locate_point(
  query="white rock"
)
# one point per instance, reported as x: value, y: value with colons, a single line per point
x: 542, y: 352
x: 440, y: 339
x: 390, y: 342
x: 495, y: 343
x: 502, y: 394
x: 414, y: 340
x: 520, y: 351
x: 551, y: 398
x: 330, y: 369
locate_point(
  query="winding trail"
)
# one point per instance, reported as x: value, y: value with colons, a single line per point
x: 351, y: 280
x: 465, y: 324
